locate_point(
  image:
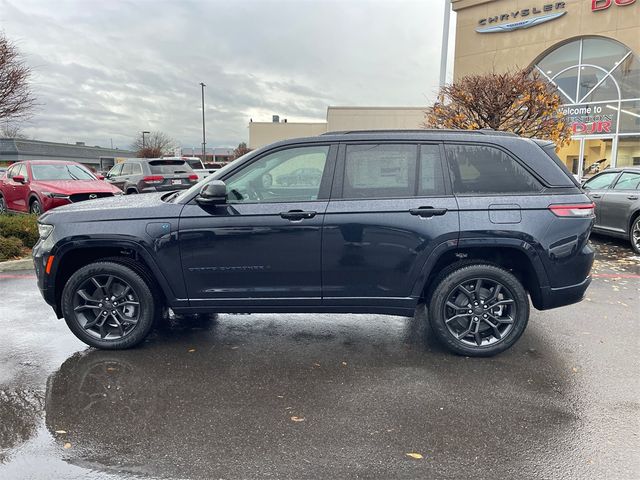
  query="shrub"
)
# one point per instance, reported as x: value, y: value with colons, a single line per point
x: 24, y: 227
x: 10, y: 247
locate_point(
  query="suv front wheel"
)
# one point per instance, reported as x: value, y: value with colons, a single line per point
x: 108, y: 305
x: 478, y: 310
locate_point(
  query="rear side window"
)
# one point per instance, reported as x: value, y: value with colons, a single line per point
x: 628, y: 181
x: 127, y: 169
x: 379, y: 171
x: 169, y: 166
x: 482, y: 169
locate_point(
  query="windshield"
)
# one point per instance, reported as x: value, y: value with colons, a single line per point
x: 64, y: 171
x: 214, y: 176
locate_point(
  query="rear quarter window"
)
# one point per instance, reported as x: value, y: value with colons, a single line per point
x: 487, y: 170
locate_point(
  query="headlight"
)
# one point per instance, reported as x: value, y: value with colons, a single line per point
x: 55, y: 195
x: 44, y: 230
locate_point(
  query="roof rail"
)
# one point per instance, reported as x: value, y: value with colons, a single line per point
x: 482, y: 131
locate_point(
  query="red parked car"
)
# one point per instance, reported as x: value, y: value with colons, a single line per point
x: 35, y: 186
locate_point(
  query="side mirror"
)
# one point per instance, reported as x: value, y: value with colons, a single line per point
x: 213, y: 193
x: 18, y: 178
x: 99, y: 176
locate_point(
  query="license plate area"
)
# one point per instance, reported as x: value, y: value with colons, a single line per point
x: 176, y: 181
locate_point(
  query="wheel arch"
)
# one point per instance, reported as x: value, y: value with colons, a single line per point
x: 73, y: 255
x: 516, y: 256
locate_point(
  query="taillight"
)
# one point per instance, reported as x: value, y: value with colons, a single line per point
x: 153, y: 179
x: 193, y: 178
x: 576, y: 210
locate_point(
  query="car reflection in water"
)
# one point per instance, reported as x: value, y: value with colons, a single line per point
x: 216, y: 399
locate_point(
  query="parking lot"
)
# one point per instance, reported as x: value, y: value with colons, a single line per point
x: 326, y: 396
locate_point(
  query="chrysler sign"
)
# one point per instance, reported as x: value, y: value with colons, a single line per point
x: 522, y: 18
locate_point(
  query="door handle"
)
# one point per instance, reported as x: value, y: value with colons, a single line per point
x: 596, y: 195
x: 632, y: 197
x: 297, y: 215
x: 427, y: 211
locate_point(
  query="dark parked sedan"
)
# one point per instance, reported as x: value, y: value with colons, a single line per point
x: 141, y: 175
x: 616, y: 193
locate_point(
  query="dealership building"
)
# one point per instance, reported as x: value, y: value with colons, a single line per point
x: 587, y: 48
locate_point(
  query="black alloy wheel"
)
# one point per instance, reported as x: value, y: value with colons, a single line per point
x: 108, y: 305
x: 35, y: 208
x: 478, y: 309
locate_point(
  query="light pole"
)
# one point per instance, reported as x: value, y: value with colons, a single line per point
x: 445, y: 43
x: 144, y: 145
x: 204, y: 139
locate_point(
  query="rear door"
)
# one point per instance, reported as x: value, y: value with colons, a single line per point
x: 10, y: 191
x: 620, y: 201
x: 390, y: 207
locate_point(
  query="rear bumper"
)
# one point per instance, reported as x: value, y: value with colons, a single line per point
x: 559, y: 297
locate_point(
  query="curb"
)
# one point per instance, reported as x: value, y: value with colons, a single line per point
x: 15, y: 265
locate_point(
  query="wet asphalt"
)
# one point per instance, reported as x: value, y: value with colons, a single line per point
x: 326, y: 396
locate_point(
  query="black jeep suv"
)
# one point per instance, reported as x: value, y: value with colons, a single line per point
x: 471, y: 224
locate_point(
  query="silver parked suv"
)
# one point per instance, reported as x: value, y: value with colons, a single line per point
x: 141, y: 175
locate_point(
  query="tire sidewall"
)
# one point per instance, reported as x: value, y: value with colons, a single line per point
x: 443, y: 290
x: 634, y: 224
x: 140, y: 287
x: 34, y: 202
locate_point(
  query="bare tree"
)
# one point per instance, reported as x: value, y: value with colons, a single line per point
x: 11, y: 130
x: 16, y: 100
x: 240, y: 150
x: 155, y: 144
x: 519, y: 102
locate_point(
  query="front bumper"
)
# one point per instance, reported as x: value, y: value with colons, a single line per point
x: 46, y: 285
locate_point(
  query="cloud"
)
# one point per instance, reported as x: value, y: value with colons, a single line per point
x: 106, y: 70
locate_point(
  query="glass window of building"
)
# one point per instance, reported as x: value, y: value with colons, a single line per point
x: 599, y: 82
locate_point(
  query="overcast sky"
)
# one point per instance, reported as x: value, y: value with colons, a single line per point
x: 104, y: 70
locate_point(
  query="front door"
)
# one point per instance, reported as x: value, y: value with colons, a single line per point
x: 263, y: 246
x: 17, y: 192
x: 596, y: 188
x: 617, y: 202
x: 389, y: 209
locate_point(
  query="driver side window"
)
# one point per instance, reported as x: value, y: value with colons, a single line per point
x: 292, y: 175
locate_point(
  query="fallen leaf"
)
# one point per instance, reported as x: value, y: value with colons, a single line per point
x: 111, y: 369
x: 61, y: 432
x: 280, y: 396
x: 297, y: 419
x: 414, y: 455
x: 316, y: 365
x: 191, y: 350
x: 574, y: 370
x: 344, y: 364
x: 67, y: 445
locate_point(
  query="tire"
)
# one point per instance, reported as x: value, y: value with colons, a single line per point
x: 125, y: 324
x: 35, y: 207
x: 634, y: 235
x: 131, y: 191
x: 485, y: 321
x: 3, y: 205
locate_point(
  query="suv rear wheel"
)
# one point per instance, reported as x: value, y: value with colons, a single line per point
x: 478, y: 310
x: 108, y: 305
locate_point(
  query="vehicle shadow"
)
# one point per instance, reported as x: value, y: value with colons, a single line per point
x: 301, y: 396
